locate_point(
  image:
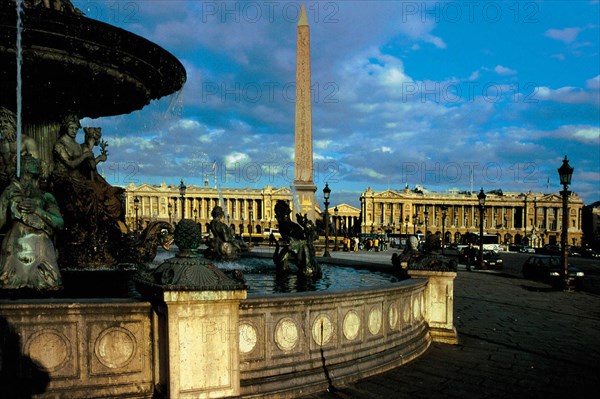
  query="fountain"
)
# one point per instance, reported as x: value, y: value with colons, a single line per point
x: 194, y: 332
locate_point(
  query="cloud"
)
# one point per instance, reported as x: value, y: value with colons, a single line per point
x: 571, y: 95
x: 395, y: 100
x: 566, y: 35
x: 594, y: 83
x: 502, y: 70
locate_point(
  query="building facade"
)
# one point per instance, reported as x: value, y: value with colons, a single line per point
x: 533, y: 219
x: 247, y: 210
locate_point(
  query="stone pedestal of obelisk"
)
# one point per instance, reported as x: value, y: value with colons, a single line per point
x: 304, y: 185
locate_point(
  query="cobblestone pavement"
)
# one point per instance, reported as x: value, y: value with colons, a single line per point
x: 517, y: 339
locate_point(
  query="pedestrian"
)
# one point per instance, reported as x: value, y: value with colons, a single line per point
x: 271, y: 239
x: 469, y: 256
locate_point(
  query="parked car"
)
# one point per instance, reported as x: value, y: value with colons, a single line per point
x: 526, y: 249
x: 549, y: 249
x: 549, y: 269
x: 590, y: 253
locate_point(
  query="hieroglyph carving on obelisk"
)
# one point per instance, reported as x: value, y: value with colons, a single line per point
x: 303, y: 154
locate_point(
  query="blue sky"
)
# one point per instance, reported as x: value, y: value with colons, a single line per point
x: 439, y: 94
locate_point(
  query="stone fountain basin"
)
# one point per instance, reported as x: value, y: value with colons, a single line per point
x: 81, y: 65
x: 279, y: 345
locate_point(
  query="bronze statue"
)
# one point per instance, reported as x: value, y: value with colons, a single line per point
x: 222, y: 244
x: 143, y: 251
x: 296, y: 243
x: 27, y: 256
x: 8, y: 146
x: 428, y: 259
x: 92, y: 208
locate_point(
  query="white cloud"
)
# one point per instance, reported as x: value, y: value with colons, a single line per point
x: 236, y: 157
x: 567, y: 35
x: 321, y: 144
x: 588, y: 134
x: 569, y: 95
x: 593, y: 83
x: 502, y: 70
x: 185, y: 124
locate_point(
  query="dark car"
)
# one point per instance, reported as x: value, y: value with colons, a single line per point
x: 549, y: 249
x: 589, y: 253
x: 491, y: 260
x: 549, y: 269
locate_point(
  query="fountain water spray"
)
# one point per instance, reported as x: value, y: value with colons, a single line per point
x: 297, y: 208
x: 19, y: 89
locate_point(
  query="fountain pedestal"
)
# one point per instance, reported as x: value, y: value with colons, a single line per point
x: 439, y: 304
x: 197, y: 314
x: 199, y: 343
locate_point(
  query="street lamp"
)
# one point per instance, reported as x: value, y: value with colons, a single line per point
x: 326, y: 194
x: 335, y: 224
x: 565, y: 172
x: 406, y: 224
x: 426, y: 213
x: 136, y: 206
x: 251, y: 227
x: 182, y: 189
x: 242, y: 230
x: 170, y: 207
x: 195, y: 215
x: 444, y: 211
x: 415, y: 220
x: 481, y: 197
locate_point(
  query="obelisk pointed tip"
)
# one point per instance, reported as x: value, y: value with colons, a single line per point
x: 302, y: 20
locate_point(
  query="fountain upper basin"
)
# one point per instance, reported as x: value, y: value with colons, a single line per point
x: 81, y: 65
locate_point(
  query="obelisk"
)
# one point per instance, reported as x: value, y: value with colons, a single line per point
x: 304, y: 185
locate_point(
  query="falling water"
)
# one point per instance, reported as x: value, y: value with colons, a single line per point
x: 19, y: 90
x: 297, y: 208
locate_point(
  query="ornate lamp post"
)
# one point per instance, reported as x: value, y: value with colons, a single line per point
x: 242, y: 230
x: 136, y: 206
x: 196, y: 215
x: 182, y: 189
x: 170, y: 207
x: 326, y: 194
x: 444, y: 211
x: 335, y: 224
x: 251, y: 227
x: 406, y: 225
x: 565, y: 172
x: 426, y: 213
x: 481, y: 197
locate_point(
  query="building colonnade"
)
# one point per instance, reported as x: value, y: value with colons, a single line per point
x: 517, y: 218
x: 246, y: 210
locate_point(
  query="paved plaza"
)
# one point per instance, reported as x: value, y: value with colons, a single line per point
x: 518, y: 339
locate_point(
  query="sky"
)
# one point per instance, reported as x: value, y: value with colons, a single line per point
x: 441, y: 95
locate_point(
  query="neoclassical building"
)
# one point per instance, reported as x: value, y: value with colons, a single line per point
x: 247, y: 209
x: 530, y: 218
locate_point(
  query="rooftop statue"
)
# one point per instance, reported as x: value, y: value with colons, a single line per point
x: 296, y: 244
x: 27, y: 256
x: 222, y: 244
